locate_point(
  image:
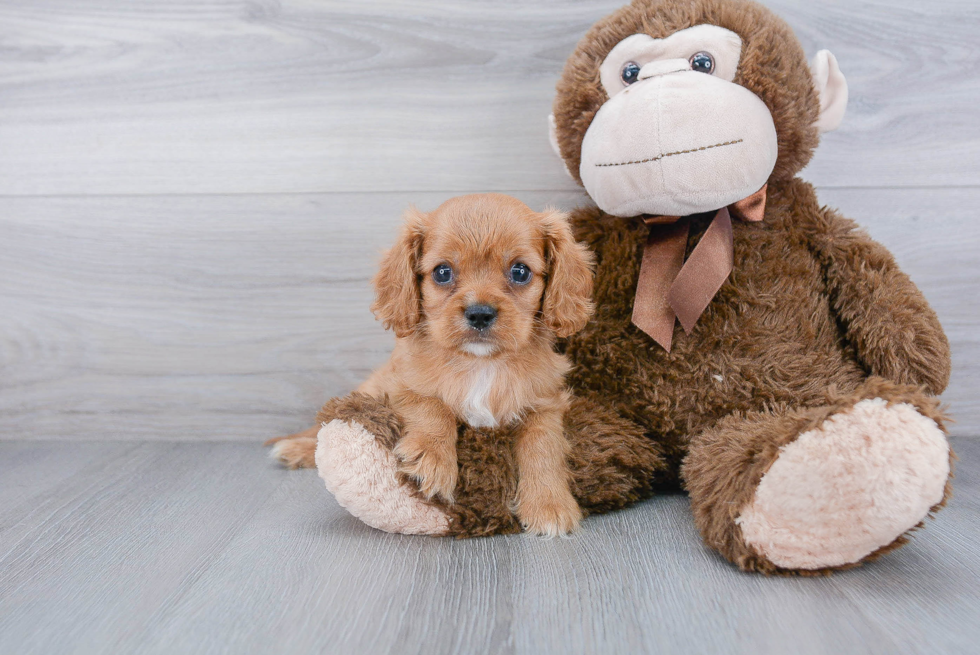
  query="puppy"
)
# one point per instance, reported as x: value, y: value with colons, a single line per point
x: 476, y: 293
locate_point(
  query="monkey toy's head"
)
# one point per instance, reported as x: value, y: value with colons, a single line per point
x: 676, y: 107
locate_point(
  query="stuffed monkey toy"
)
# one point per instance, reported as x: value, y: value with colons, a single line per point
x: 749, y: 346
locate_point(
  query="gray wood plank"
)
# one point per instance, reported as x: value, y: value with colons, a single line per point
x: 236, y: 317
x: 20, y: 462
x: 942, y: 565
x: 211, y: 548
x: 628, y: 583
x: 240, y: 97
x: 33, y: 474
x: 122, y: 542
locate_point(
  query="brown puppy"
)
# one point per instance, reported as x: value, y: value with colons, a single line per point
x: 476, y: 292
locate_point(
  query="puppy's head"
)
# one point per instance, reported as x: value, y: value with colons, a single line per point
x: 484, y: 274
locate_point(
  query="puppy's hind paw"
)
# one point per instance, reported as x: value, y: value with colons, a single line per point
x: 295, y: 453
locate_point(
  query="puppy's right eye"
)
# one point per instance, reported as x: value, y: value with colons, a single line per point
x: 442, y: 274
x: 520, y: 273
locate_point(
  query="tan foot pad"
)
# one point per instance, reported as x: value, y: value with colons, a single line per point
x: 844, y: 490
x: 362, y: 476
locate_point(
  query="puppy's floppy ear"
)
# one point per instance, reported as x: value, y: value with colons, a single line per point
x: 567, y: 303
x: 398, y: 301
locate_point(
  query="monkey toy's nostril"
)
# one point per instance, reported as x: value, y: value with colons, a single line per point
x: 480, y: 317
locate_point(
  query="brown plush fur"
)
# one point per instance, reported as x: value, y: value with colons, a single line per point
x: 794, y: 320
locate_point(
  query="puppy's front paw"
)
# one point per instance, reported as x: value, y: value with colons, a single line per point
x: 548, y: 512
x: 430, y: 463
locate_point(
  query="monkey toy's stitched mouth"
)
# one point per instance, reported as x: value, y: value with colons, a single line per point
x: 671, y: 154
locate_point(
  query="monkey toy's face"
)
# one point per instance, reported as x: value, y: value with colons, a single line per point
x: 676, y: 108
x: 676, y: 136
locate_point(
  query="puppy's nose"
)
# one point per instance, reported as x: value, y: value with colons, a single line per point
x: 480, y: 317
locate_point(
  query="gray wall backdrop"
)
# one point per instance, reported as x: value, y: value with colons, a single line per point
x: 193, y: 194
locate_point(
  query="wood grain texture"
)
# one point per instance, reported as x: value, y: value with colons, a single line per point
x: 243, y: 96
x: 152, y: 515
x: 211, y: 548
x: 236, y: 317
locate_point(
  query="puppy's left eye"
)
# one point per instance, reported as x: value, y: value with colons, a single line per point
x: 520, y: 274
x: 442, y: 274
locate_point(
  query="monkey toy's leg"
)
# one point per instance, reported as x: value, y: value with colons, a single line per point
x: 805, y: 491
x: 355, y: 458
x: 612, y: 464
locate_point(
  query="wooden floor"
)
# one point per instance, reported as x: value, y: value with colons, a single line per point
x: 157, y: 547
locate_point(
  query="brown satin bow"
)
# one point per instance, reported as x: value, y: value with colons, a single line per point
x: 670, y: 288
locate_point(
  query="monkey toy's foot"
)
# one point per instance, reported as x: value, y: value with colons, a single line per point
x: 844, y: 488
x: 355, y: 459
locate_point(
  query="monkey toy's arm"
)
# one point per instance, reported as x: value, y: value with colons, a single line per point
x: 883, y: 314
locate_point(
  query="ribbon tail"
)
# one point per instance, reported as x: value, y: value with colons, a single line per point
x: 751, y: 209
x: 663, y: 257
x: 705, y: 271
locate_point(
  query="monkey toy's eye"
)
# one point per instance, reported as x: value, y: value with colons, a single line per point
x: 520, y: 274
x: 702, y: 62
x: 442, y: 274
x: 631, y: 72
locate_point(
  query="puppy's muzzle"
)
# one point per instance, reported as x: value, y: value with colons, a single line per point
x: 480, y: 317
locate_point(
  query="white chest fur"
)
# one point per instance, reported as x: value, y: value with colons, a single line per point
x: 476, y: 411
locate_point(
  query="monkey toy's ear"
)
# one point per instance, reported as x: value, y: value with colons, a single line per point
x: 553, y: 140
x: 398, y: 303
x: 553, y: 134
x: 832, y: 88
